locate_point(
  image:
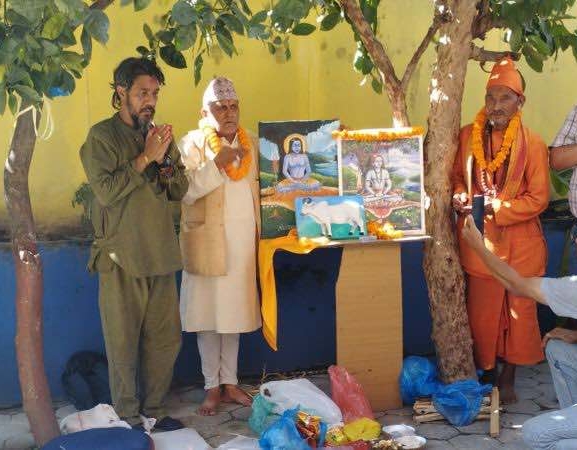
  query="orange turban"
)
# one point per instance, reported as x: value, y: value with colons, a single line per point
x: 505, y: 73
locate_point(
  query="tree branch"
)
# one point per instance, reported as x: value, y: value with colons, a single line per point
x: 442, y: 17
x: 482, y: 55
x: 371, y: 43
x: 484, y: 21
x: 381, y: 60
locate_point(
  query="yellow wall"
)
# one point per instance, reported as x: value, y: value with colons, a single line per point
x: 317, y: 83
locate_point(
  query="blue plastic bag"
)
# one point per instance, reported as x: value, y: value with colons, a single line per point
x: 262, y: 416
x: 283, y: 434
x: 460, y: 402
x: 418, y: 379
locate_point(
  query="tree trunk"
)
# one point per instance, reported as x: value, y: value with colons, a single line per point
x: 398, y: 106
x: 451, y: 333
x: 28, y: 267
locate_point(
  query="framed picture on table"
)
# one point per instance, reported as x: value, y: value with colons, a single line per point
x: 339, y: 217
x: 296, y: 159
x: 385, y: 167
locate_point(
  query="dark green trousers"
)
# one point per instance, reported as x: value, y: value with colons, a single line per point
x: 142, y: 333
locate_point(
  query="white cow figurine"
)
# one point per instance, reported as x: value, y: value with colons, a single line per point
x: 325, y: 215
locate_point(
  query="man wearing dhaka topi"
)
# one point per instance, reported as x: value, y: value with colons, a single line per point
x: 218, y: 238
x: 502, y: 162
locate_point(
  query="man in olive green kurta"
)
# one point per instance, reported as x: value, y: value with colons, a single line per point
x: 135, y: 250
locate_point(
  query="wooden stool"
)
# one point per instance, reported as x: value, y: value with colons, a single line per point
x: 424, y: 411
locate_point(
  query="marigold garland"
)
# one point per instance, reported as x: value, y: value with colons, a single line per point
x: 477, y: 141
x: 379, y: 134
x: 384, y: 231
x: 234, y: 173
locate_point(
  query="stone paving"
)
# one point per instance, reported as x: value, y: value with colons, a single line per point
x: 534, y: 390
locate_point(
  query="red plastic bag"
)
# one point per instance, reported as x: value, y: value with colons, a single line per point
x: 349, y: 395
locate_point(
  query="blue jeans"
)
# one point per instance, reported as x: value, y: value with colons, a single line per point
x: 557, y: 430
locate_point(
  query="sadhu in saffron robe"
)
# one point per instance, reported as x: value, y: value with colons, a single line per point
x: 504, y: 325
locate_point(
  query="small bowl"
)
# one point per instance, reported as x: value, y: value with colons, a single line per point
x: 396, y: 431
x: 411, y: 442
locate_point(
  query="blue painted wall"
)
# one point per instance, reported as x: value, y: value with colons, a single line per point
x: 306, y: 296
x: 71, y: 317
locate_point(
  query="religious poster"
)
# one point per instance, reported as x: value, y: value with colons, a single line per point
x: 297, y: 159
x: 341, y: 217
x: 385, y: 167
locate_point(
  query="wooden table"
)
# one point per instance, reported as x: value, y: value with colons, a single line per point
x: 369, y: 317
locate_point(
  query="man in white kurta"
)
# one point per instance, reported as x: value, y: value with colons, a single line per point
x: 219, y: 298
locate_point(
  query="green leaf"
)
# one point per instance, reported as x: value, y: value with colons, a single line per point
x: 185, y: 37
x: 141, y: 4
x: 370, y: 12
x: 287, y: 53
x: 224, y: 39
x: 233, y: 23
x: 377, y: 86
x: 165, y: 36
x: 184, y: 13
x: 2, y: 98
x: 257, y: 31
x: 142, y: 50
x: 86, y: 42
x: 516, y: 39
x: 66, y: 38
x: 27, y: 93
x: 330, y: 21
x: 534, y: 58
x: 198, y: 62
x: 67, y: 82
x: 73, y: 61
x: 291, y: 9
x: 54, y: 26
x: 9, y: 49
x: 148, y: 32
x: 97, y: 24
x: 72, y: 8
x: 17, y: 75
x: 271, y: 48
x: 303, y: 29
x: 15, y: 19
x: 125, y: 2
x: 30, y: 9
x: 50, y: 48
x: 540, y: 45
x: 245, y: 7
x: 32, y: 43
x: 259, y: 17
x: 362, y: 63
x: 13, y: 103
x: 172, y: 57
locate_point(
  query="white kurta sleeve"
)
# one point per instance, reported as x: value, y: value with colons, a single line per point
x: 201, y: 171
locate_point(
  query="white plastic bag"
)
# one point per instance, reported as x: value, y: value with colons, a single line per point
x: 240, y: 443
x: 302, y: 394
x: 183, y: 439
x: 101, y: 416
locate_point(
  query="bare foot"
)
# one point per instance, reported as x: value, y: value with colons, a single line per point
x: 507, y: 384
x: 210, y: 403
x: 234, y: 394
